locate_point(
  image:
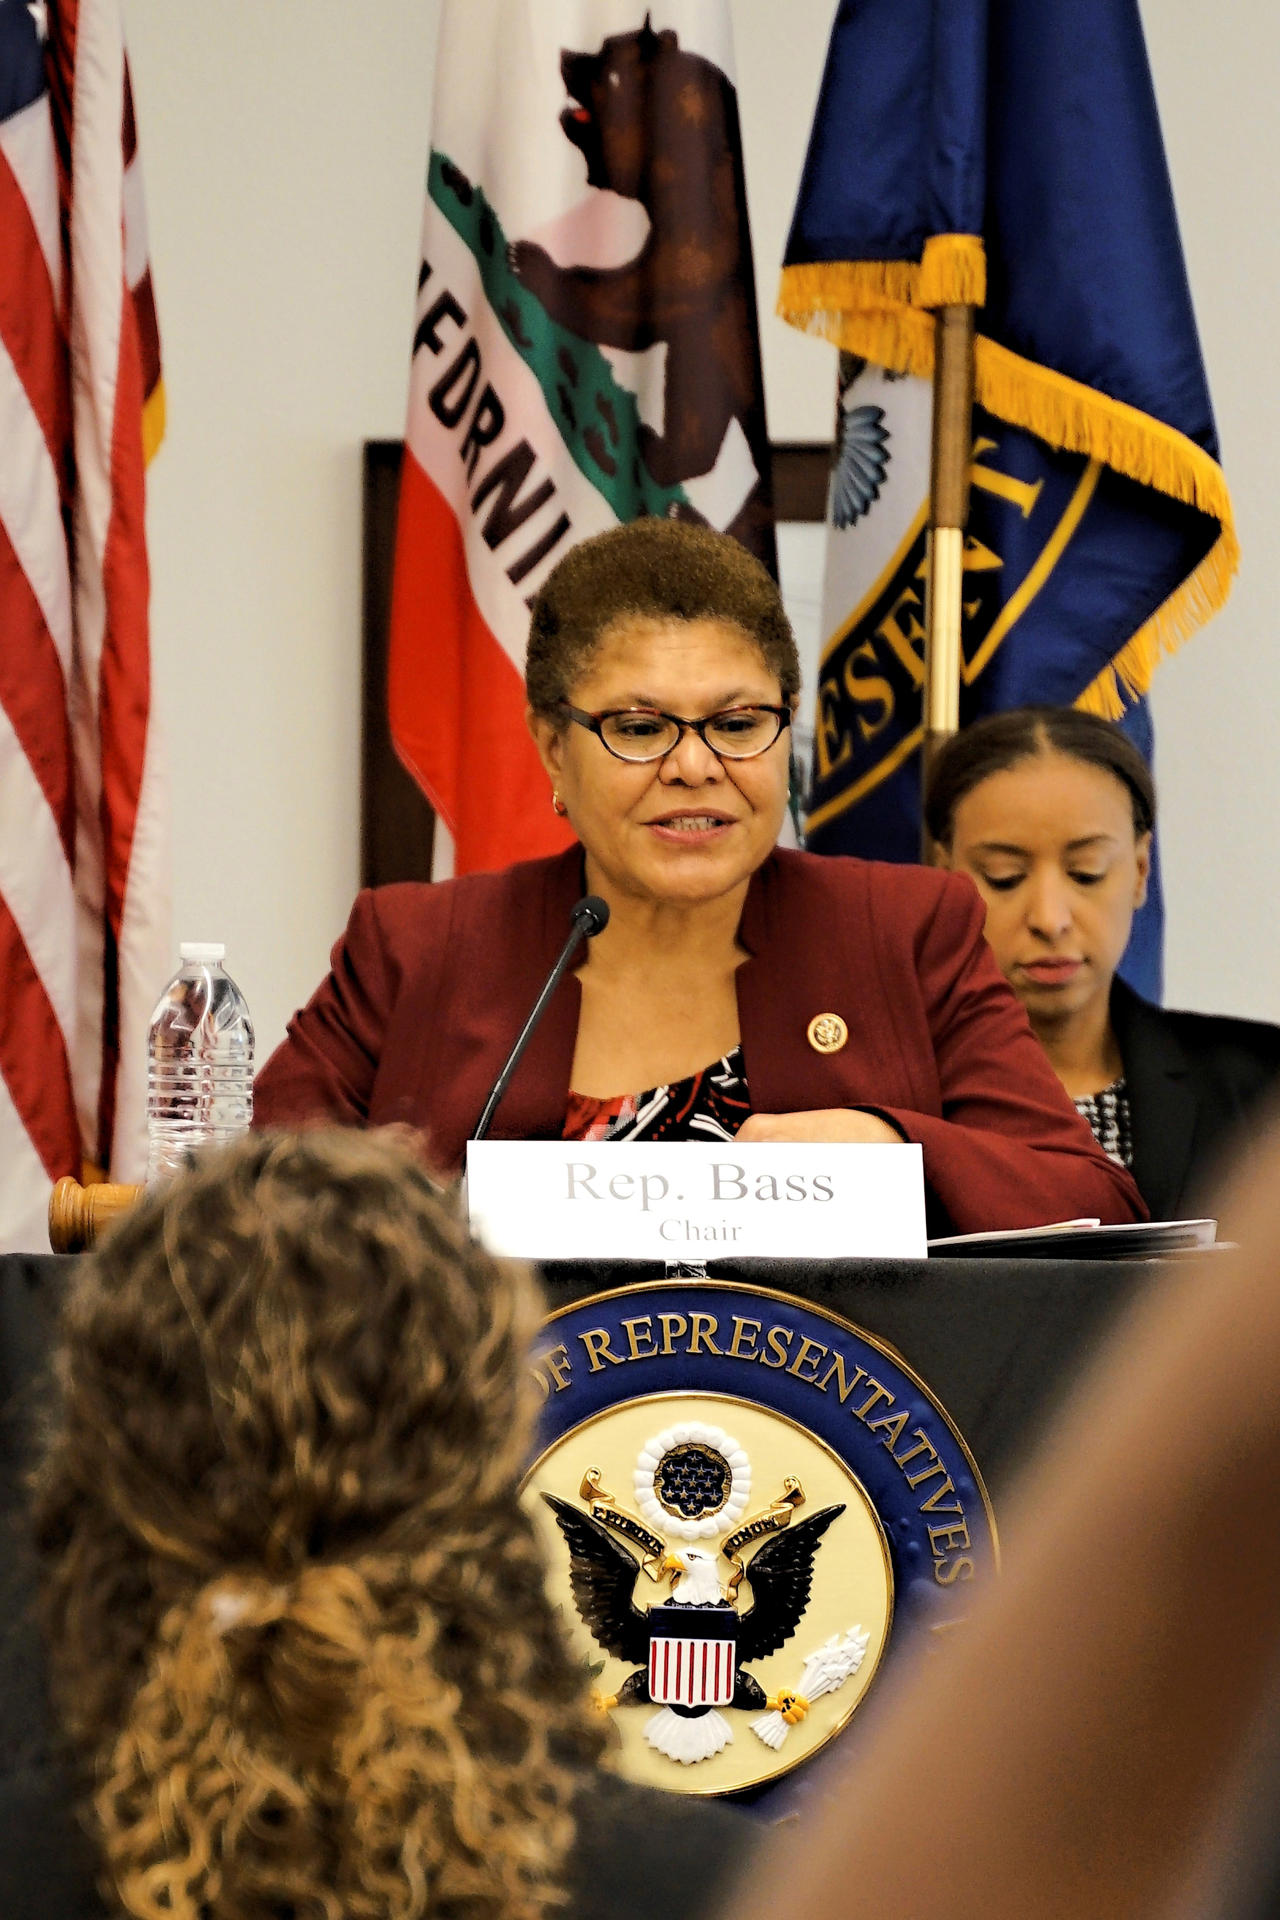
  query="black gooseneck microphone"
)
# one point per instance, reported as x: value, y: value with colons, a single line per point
x: 589, y: 917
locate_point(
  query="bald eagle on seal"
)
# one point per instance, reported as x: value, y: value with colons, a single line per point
x: 689, y: 1653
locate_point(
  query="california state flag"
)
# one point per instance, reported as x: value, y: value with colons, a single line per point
x: 585, y: 353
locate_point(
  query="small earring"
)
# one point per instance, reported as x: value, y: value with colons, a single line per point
x: 557, y: 804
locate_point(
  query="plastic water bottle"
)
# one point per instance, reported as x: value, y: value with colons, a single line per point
x: 200, y: 1061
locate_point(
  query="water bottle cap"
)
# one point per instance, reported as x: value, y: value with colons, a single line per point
x: 207, y: 951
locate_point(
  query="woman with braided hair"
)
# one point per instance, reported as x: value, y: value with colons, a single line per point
x: 298, y: 1635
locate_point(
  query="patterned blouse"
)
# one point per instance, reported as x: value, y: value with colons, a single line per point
x: 710, y: 1105
x: 1108, y: 1115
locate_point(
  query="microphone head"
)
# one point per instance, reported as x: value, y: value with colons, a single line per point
x: 591, y: 915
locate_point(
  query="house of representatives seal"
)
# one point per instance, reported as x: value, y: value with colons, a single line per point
x: 745, y: 1500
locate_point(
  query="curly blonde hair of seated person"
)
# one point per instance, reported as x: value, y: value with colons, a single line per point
x: 298, y: 1631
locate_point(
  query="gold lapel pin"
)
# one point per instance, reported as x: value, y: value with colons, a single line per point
x: 827, y: 1033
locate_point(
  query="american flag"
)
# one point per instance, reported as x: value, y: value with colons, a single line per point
x: 83, y: 871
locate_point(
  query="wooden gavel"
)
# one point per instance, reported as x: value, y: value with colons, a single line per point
x: 79, y: 1215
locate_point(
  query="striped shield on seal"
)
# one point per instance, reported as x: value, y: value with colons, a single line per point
x: 692, y: 1655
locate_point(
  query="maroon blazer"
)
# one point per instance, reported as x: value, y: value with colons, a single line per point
x: 430, y: 986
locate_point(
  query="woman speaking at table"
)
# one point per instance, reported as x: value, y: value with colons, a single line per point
x: 737, y: 988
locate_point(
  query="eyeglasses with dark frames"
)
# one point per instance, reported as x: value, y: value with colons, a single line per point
x: 643, y: 733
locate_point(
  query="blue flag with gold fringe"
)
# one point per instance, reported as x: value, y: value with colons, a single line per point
x: 1007, y: 154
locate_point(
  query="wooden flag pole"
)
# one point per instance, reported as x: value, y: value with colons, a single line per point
x: 948, y: 512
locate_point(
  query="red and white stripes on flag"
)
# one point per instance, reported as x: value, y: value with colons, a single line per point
x: 691, y: 1672
x: 83, y: 873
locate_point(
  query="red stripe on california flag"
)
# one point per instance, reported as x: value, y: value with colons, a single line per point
x: 33, y: 693
x: 29, y: 322
x: 455, y: 701
x: 33, y: 1058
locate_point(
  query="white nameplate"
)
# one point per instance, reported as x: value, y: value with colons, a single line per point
x: 694, y: 1200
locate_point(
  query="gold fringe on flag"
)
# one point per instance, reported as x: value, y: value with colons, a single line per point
x: 821, y: 296
x: 1200, y: 596
x: 152, y: 423
x: 878, y: 309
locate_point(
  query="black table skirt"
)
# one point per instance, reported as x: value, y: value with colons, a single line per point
x: 995, y: 1340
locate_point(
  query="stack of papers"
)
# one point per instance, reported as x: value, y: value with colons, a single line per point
x: 1085, y: 1240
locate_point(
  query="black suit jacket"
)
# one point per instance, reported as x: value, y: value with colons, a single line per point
x: 1197, y: 1083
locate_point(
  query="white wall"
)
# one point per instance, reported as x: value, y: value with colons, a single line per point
x: 1217, y: 702
x: 284, y: 143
